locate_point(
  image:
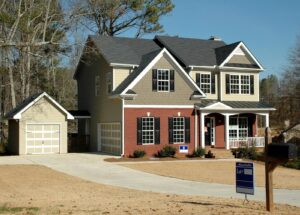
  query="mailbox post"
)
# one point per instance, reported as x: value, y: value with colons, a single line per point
x: 275, y: 154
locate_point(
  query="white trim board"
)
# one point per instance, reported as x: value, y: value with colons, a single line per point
x: 18, y: 114
x: 159, y: 106
x: 152, y: 63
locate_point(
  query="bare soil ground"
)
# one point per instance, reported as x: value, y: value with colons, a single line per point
x: 28, y: 189
x: 222, y: 172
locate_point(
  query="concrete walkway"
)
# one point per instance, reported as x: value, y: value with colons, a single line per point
x: 92, y: 167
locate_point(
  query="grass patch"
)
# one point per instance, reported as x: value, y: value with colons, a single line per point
x: 12, y: 210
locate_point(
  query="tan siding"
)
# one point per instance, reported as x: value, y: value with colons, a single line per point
x: 181, y: 96
x: 119, y: 76
x: 241, y: 59
x: 239, y: 97
x: 43, y: 111
x: 209, y: 95
x: 101, y: 108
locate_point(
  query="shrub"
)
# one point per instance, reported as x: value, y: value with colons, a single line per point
x: 246, y: 153
x: 166, y: 151
x: 3, y: 148
x: 138, y: 154
x: 209, y: 154
x: 294, y: 164
x: 197, y: 153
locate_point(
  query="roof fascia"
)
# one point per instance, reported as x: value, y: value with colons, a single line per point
x: 124, y: 65
x: 18, y: 114
x: 241, y: 44
x: 152, y: 63
x: 238, y: 68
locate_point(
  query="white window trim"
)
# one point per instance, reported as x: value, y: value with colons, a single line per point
x: 146, y: 117
x: 179, y: 130
x: 239, y: 84
x: 109, y: 76
x: 237, y: 128
x: 205, y: 83
x: 163, y: 80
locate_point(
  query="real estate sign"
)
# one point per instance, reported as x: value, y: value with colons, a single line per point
x: 183, y: 149
x: 245, y: 178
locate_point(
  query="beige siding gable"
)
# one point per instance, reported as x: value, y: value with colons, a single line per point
x: 119, y: 75
x: 182, y: 91
x: 242, y: 59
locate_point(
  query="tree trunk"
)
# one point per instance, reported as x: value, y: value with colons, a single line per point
x: 12, y: 86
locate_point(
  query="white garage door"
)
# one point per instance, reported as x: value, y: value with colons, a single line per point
x: 42, y: 138
x: 109, y: 138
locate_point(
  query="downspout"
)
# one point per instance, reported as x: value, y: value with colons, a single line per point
x: 196, y: 129
x: 123, y: 144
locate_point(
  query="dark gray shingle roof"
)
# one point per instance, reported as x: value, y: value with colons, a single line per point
x: 235, y: 104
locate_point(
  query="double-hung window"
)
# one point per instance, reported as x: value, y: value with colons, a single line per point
x: 109, y: 82
x: 234, y: 84
x: 240, y: 84
x: 97, y: 85
x: 178, y: 129
x: 238, y: 128
x: 148, y: 130
x: 205, y: 83
x: 163, y: 80
x: 245, y: 84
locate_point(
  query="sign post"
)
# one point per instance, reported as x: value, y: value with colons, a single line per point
x: 245, y: 178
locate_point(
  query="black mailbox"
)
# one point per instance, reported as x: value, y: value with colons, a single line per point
x: 283, y: 151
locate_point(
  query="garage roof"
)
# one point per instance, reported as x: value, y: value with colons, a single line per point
x: 28, y: 102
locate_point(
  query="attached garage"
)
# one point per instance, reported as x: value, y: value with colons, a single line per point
x: 109, y: 138
x: 38, y: 126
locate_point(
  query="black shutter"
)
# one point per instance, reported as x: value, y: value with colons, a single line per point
x: 172, y: 81
x: 139, y: 131
x: 154, y: 80
x: 157, y: 131
x: 198, y: 79
x: 187, y: 132
x: 171, y: 130
x: 213, y: 84
x: 227, y: 84
x: 252, y: 84
x: 250, y: 128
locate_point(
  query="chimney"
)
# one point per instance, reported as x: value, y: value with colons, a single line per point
x: 215, y: 38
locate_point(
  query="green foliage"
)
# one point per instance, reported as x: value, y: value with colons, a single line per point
x: 197, y: 153
x: 138, y: 154
x: 4, y: 209
x: 246, y: 153
x: 294, y: 164
x: 166, y: 151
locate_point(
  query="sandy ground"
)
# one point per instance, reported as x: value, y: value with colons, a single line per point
x: 40, y: 190
x: 222, y: 172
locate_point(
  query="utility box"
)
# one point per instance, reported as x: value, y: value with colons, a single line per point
x: 283, y: 151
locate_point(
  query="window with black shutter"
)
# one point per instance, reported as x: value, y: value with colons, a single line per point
x: 227, y: 84
x: 146, y: 130
x: 172, y: 81
x: 213, y: 84
x: 252, y: 84
x: 187, y: 130
x: 157, y: 130
x: 170, y: 122
x: 139, y: 131
x: 154, y: 80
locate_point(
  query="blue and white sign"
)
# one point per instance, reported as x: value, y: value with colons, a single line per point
x: 183, y: 149
x: 245, y: 178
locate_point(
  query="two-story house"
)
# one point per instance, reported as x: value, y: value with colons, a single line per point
x: 145, y: 94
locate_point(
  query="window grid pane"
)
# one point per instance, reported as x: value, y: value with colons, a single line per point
x: 238, y: 128
x: 205, y: 83
x: 163, y: 80
x: 245, y: 84
x: 178, y: 129
x: 147, y: 130
x: 234, y: 84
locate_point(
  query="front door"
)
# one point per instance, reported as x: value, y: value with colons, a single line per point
x: 209, y: 131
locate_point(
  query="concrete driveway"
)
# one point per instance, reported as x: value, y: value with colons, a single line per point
x: 92, y: 167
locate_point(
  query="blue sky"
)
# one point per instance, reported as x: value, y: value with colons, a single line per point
x: 268, y: 27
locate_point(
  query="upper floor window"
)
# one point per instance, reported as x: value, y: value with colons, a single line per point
x: 97, y: 85
x: 109, y: 82
x: 163, y: 80
x: 239, y: 84
x: 206, y: 82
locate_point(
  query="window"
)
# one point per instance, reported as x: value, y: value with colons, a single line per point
x: 205, y: 83
x: 109, y: 82
x: 238, y: 128
x: 234, y: 84
x: 245, y: 84
x: 97, y: 85
x: 240, y: 84
x: 178, y: 129
x: 163, y: 80
x: 147, y: 130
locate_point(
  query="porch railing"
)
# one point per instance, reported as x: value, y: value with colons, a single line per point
x: 247, y: 142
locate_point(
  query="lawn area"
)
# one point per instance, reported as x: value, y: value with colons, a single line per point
x: 29, y: 189
x: 214, y: 171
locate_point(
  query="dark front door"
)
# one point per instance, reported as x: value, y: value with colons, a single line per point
x: 207, y: 130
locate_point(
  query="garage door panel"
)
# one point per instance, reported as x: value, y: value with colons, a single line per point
x: 109, y: 138
x: 42, y: 138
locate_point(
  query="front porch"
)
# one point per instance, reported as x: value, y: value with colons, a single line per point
x: 223, y: 126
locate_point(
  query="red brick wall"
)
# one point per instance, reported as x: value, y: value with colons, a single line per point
x: 220, y: 131
x: 130, y: 130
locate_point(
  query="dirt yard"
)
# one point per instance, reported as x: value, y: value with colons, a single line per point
x: 222, y: 172
x: 27, y: 189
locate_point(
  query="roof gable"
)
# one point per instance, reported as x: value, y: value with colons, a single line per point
x: 16, y: 113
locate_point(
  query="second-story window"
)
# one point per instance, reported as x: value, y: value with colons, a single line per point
x: 239, y: 84
x: 206, y: 82
x: 97, y: 85
x: 245, y: 84
x: 234, y: 84
x: 109, y: 82
x: 163, y: 80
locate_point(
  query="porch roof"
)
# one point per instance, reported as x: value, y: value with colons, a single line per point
x: 80, y: 114
x: 208, y: 104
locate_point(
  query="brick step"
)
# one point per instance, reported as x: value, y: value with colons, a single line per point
x: 220, y: 153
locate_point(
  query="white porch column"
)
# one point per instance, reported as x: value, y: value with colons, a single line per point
x: 267, y: 120
x: 227, y: 131
x: 202, y: 130
x: 196, y: 130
